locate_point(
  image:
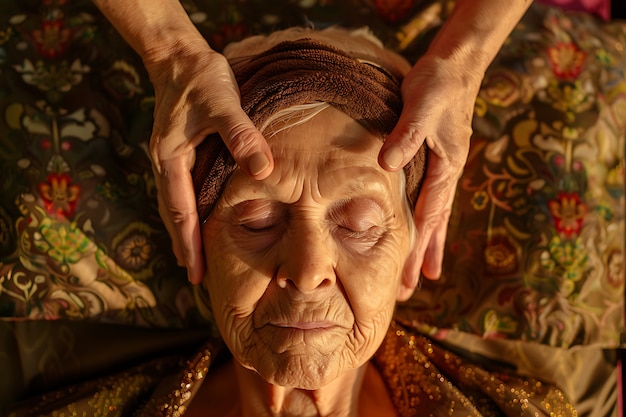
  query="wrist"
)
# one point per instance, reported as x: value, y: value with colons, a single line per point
x: 172, y: 44
x: 155, y: 29
x: 475, y: 31
x: 457, y: 65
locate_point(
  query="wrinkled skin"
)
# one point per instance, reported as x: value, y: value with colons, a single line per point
x: 438, y: 107
x: 196, y: 95
x: 305, y: 267
x: 179, y: 127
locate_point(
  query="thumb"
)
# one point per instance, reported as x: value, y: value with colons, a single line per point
x: 403, y: 142
x: 247, y: 145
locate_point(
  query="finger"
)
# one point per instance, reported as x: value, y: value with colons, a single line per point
x: 247, y: 145
x: 431, y: 214
x: 433, y: 257
x: 178, y: 209
x: 169, y: 226
x: 401, y: 145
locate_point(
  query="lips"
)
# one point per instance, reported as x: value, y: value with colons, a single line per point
x: 284, y: 324
x: 303, y: 316
x: 306, y: 325
x: 303, y: 337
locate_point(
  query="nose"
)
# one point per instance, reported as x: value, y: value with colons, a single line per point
x: 309, y: 259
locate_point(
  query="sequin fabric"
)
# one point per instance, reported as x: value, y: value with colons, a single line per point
x: 423, y: 379
x: 176, y: 402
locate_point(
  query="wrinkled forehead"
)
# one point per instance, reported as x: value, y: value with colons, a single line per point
x: 296, y: 73
x: 319, y: 127
x: 330, y: 155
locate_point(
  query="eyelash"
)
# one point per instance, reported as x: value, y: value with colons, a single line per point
x: 373, y: 234
x: 260, y: 225
x: 251, y: 229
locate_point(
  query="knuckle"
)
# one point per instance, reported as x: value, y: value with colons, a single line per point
x: 452, y: 153
x: 438, y: 204
x: 433, y: 219
x: 243, y: 138
x: 413, y: 136
x: 155, y: 148
x: 176, y: 215
x: 165, y: 151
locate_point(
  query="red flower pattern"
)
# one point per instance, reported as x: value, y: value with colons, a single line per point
x: 53, y: 38
x: 59, y: 194
x: 568, y: 213
x: 566, y: 60
x: 228, y: 33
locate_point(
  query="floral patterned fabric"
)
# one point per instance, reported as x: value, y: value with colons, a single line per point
x: 535, y: 247
x: 536, y: 244
x: 81, y: 236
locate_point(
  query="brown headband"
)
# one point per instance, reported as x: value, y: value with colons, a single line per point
x: 300, y: 72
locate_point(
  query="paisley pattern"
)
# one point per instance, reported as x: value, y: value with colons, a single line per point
x: 535, y: 247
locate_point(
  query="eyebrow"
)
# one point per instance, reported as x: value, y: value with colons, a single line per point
x: 366, y: 180
x: 363, y: 183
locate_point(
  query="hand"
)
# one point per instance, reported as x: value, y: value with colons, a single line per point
x: 196, y: 95
x: 439, y: 102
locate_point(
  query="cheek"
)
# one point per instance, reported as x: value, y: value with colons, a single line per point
x: 234, y: 284
x: 371, y: 282
x: 371, y: 292
x: 234, y: 290
x: 370, y: 287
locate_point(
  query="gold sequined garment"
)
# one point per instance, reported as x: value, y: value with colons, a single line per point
x: 423, y: 379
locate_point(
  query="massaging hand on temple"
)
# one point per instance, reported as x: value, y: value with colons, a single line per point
x: 196, y: 95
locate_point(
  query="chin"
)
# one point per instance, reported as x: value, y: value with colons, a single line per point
x: 307, y: 372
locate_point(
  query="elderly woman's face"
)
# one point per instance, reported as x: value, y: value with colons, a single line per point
x: 304, y: 267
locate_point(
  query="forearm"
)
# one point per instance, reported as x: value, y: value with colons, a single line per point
x: 476, y: 30
x: 153, y: 28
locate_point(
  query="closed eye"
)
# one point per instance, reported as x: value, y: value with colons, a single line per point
x: 358, y: 223
x: 373, y: 232
x: 260, y: 225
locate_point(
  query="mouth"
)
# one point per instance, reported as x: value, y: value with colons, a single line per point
x: 306, y: 325
x: 303, y: 337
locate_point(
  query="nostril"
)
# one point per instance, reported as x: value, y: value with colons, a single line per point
x: 304, y: 285
x: 325, y: 283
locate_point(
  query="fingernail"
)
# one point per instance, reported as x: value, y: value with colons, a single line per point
x: 258, y: 163
x: 192, y: 278
x: 393, y: 157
